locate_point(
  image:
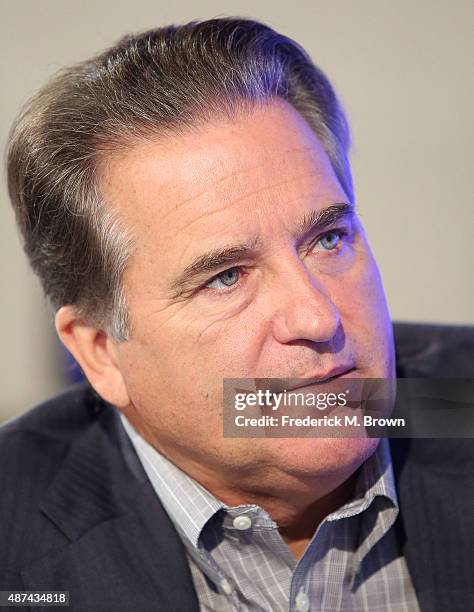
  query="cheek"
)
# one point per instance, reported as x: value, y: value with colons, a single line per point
x: 230, y: 348
x: 220, y: 338
x: 366, y: 318
x: 359, y: 293
x: 181, y: 359
x: 168, y: 389
x: 373, y: 295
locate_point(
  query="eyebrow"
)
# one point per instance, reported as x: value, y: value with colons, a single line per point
x: 319, y: 220
x: 212, y: 261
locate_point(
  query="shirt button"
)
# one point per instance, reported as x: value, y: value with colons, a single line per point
x: 242, y: 522
x: 226, y: 587
x: 302, y: 601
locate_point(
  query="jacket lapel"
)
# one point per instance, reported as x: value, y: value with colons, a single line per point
x: 123, y: 550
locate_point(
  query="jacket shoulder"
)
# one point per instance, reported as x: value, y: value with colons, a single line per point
x: 32, y: 449
x: 434, y: 350
x: 60, y: 416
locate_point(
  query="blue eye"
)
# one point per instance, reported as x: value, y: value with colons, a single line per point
x: 330, y: 240
x: 225, y: 279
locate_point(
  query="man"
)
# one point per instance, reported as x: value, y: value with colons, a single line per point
x: 186, y: 199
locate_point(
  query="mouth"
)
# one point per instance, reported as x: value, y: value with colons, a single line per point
x: 278, y: 385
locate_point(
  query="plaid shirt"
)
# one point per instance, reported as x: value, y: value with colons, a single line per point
x: 239, y: 561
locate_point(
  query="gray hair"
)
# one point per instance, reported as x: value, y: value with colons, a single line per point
x: 158, y: 83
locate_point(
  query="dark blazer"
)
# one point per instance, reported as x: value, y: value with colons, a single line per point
x: 78, y: 513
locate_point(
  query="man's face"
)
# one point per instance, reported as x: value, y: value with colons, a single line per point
x: 230, y: 279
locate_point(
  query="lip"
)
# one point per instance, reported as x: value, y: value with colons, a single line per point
x: 337, y: 372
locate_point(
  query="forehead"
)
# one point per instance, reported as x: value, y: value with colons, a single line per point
x: 183, y: 193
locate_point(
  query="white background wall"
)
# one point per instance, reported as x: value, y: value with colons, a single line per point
x: 403, y: 70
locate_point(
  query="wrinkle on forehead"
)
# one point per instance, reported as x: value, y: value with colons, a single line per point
x: 223, y: 160
x: 227, y: 181
x: 250, y: 195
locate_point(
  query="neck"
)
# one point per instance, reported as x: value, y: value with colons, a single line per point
x: 298, y: 528
x: 297, y: 507
x: 297, y: 514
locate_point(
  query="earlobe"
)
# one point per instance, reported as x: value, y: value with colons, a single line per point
x: 95, y: 352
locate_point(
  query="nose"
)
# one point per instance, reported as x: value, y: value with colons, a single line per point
x: 303, y: 310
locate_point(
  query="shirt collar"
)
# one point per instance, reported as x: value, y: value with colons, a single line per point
x: 375, y: 479
x: 375, y: 490
x: 190, y: 506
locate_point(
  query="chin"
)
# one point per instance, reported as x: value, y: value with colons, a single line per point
x: 322, y: 457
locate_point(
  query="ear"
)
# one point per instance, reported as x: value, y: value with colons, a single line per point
x: 96, y: 353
